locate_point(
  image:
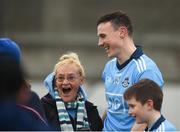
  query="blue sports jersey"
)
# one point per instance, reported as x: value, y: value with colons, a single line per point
x: 117, y: 79
x: 161, y: 125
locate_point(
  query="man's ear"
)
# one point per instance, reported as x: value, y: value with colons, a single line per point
x: 150, y: 104
x: 123, y: 32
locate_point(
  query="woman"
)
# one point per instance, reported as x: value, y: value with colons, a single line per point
x: 65, y: 105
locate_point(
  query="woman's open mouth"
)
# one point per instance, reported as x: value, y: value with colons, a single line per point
x: 66, y: 90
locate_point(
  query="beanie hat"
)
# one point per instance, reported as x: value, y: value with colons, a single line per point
x: 10, y: 48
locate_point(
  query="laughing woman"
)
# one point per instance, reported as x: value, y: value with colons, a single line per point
x: 66, y: 106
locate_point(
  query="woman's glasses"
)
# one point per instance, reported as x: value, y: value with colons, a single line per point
x: 70, y: 78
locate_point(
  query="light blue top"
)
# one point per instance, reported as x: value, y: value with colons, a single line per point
x: 161, y: 125
x: 117, y: 79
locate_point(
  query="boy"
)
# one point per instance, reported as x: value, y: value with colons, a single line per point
x: 145, y: 100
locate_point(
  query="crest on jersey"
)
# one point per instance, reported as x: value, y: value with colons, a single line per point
x: 125, y: 83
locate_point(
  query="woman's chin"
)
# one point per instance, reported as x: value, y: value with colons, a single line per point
x: 67, y: 99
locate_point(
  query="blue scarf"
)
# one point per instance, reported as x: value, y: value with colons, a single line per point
x: 64, y: 119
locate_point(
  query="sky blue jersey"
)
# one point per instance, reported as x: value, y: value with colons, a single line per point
x: 117, y: 79
x: 161, y: 125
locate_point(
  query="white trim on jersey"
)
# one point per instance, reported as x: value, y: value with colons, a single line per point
x: 144, y: 64
x: 137, y: 66
x: 141, y: 65
x: 118, y: 112
x: 114, y: 94
x: 161, y: 128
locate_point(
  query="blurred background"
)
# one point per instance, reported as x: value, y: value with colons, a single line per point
x: 45, y: 29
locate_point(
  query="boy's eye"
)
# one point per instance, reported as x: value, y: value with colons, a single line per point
x: 131, y: 106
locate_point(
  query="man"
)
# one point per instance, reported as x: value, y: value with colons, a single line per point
x: 127, y: 66
x: 145, y: 100
x: 15, y: 92
x: 13, y: 115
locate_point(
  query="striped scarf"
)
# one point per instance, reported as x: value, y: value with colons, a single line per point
x: 64, y: 119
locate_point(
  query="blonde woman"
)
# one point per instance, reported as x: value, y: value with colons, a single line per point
x: 66, y: 106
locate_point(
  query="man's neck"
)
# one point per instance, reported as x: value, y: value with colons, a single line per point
x: 126, y: 51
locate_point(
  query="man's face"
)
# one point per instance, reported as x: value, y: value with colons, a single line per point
x: 24, y: 93
x: 137, y: 110
x: 109, y: 39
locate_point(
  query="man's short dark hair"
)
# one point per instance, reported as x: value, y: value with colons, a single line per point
x: 11, y: 77
x: 144, y: 90
x: 117, y: 19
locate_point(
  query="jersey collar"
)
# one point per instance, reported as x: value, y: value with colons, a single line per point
x: 156, y: 124
x: 137, y: 53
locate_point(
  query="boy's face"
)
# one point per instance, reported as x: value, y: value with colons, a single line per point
x: 137, y: 110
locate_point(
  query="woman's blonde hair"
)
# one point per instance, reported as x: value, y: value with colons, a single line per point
x: 70, y: 58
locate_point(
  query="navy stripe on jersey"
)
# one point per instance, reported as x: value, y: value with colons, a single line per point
x: 156, y: 124
x: 136, y: 55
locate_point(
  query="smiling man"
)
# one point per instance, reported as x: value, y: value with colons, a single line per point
x: 128, y: 65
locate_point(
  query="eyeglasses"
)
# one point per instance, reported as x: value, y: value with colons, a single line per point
x: 71, y: 78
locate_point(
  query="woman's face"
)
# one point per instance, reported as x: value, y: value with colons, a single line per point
x: 67, y: 81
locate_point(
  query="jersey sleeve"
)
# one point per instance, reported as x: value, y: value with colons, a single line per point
x: 103, y: 75
x: 154, y: 76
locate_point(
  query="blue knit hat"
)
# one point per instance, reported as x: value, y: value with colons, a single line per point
x: 10, y: 48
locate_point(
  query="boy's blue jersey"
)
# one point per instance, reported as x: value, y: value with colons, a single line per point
x: 117, y: 79
x: 161, y: 125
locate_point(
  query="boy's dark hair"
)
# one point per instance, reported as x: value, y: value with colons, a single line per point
x: 117, y: 19
x: 143, y: 91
